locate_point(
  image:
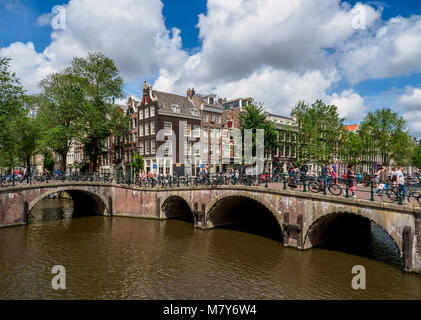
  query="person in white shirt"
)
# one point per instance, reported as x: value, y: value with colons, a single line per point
x: 400, y: 180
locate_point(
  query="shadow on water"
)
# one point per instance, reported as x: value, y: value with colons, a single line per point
x: 246, y: 215
x: 54, y: 209
x: 361, y: 237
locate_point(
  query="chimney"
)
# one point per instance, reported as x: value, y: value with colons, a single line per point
x: 193, y: 92
x: 189, y: 92
x: 220, y: 101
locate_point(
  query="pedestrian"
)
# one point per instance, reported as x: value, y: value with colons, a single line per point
x: 291, y: 169
x: 303, y: 169
x: 383, y: 181
x: 393, y: 176
x: 351, y: 179
x: 335, y: 172
x: 400, y: 180
x: 25, y: 175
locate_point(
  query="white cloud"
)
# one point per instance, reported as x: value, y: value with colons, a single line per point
x: 410, y: 104
x: 277, y: 51
x: 350, y: 105
x: 132, y: 32
x: 30, y: 66
x: 411, y: 100
x: 391, y: 50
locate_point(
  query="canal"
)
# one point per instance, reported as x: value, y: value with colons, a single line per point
x: 124, y: 258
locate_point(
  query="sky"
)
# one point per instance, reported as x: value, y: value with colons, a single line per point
x: 357, y: 55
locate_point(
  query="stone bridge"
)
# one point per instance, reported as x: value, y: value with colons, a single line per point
x: 298, y: 219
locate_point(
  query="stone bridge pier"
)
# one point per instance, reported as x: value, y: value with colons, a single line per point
x: 295, y: 219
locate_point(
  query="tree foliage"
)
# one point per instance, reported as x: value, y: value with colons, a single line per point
x: 320, y: 130
x: 416, y: 157
x: 101, y: 83
x: 61, y: 108
x: 138, y: 162
x: 255, y: 118
x: 383, y: 132
x: 11, y: 109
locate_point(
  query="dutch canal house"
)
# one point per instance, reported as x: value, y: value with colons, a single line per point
x: 166, y: 149
x: 211, y: 129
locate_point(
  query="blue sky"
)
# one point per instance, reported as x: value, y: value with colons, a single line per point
x: 180, y: 60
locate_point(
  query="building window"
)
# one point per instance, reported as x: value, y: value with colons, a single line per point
x: 152, y: 146
x: 196, y: 149
x: 168, y: 128
x: 141, y: 132
x: 141, y: 114
x: 147, y: 147
x: 205, y: 132
x: 187, y: 130
x: 146, y: 128
x: 152, y: 111
x: 152, y: 127
x: 218, y: 119
x: 134, y: 123
x: 206, y: 117
x: 168, y: 147
x: 196, y: 131
x: 141, y: 148
x: 282, y: 136
x: 146, y: 113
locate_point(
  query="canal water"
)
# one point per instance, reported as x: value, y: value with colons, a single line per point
x: 124, y: 258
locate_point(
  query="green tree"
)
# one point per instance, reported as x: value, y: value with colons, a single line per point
x: 28, y: 134
x: 138, y: 163
x: 99, y: 78
x: 416, y: 158
x: 255, y: 118
x: 320, y: 130
x: 60, y: 113
x: 383, y: 132
x: 11, y: 109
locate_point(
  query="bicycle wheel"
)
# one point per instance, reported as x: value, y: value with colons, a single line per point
x: 335, y: 189
x: 389, y: 195
x: 414, y: 197
x: 314, y: 187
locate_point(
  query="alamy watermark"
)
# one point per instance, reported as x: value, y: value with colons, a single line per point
x: 59, y: 280
x: 228, y: 146
x: 358, y: 281
x: 58, y: 22
x: 359, y: 21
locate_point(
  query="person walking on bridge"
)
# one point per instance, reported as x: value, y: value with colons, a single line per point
x: 351, y: 179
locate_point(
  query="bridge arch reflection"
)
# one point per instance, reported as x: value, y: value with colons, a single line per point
x: 84, y: 202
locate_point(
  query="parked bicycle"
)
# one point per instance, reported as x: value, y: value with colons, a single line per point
x: 319, y: 185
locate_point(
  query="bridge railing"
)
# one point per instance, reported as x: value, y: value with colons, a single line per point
x: 363, y: 188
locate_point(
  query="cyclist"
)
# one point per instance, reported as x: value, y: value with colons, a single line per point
x: 303, y: 169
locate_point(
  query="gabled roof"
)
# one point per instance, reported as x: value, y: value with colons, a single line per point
x: 167, y: 100
x: 351, y: 127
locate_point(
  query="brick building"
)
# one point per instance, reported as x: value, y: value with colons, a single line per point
x: 169, y: 133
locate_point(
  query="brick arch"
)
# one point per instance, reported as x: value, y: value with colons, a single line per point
x: 396, y: 240
x: 276, y: 214
x: 164, y: 200
x: 96, y: 197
